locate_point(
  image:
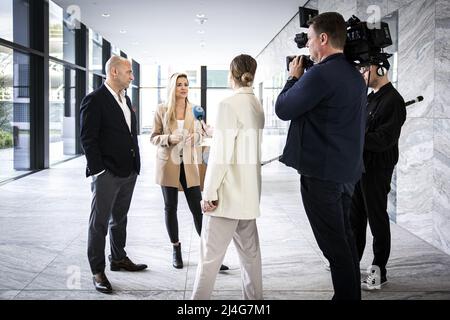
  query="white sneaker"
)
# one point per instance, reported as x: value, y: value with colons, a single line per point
x: 373, y: 280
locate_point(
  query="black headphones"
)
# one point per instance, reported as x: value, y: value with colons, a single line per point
x: 381, y: 71
x: 381, y: 61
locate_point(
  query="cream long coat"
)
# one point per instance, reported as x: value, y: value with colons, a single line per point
x: 168, y: 156
x: 233, y: 176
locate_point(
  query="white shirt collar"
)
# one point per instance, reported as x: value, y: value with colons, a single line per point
x: 115, y: 95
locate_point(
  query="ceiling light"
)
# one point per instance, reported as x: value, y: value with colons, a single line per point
x: 123, y: 31
x: 201, y: 31
x: 201, y: 18
x: 135, y: 43
x: 106, y: 15
x: 202, y: 44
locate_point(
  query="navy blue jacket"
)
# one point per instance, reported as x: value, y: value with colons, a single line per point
x: 326, y: 107
x: 107, y: 142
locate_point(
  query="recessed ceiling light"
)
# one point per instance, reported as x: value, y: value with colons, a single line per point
x: 201, y: 18
x: 106, y: 15
x: 123, y: 31
x: 135, y: 43
x: 200, y: 31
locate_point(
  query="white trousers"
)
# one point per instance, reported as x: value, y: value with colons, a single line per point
x: 216, y: 235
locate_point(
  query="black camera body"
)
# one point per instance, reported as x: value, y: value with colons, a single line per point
x: 301, y: 39
x: 307, y: 62
x: 362, y: 44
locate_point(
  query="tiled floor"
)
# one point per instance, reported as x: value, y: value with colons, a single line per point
x: 43, y: 232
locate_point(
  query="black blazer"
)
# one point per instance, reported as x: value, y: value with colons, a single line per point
x: 106, y: 140
x: 327, y: 112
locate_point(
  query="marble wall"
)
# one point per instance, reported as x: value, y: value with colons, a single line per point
x: 441, y: 105
x: 422, y: 203
x: 416, y: 77
x: 345, y: 7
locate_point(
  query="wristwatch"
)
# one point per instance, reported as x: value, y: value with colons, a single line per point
x: 290, y: 78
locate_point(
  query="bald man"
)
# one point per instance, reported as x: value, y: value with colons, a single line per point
x: 109, y: 140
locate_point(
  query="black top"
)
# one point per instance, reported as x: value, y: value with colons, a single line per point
x: 106, y: 139
x: 386, y: 113
x: 327, y: 109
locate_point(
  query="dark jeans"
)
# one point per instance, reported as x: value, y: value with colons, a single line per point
x: 111, y: 198
x: 327, y: 205
x: 369, y: 203
x: 193, y: 197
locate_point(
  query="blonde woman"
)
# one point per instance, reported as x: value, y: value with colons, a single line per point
x: 177, y: 136
x: 232, y: 187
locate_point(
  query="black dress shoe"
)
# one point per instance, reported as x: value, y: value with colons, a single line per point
x: 101, y: 283
x: 177, y: 258
x: 126, y: 264
x: 224, y: 268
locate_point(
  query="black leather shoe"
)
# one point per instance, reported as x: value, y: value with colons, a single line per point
x: 177, y: 259
x: 126, y: 264
x: 101, y: 283
x: 224, y: 268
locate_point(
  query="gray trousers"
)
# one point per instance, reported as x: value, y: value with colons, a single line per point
x: 111, y: 198
x: 216, y: 235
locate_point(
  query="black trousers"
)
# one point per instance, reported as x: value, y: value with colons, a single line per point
x: 111, y: 198
x: 369, y: 203
x: 327, y: 205
x: 193, y: 197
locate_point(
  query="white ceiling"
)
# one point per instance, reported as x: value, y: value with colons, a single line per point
x: 165, y: 31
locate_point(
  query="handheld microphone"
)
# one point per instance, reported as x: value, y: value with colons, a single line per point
x: 198, y: 112
x: 418, y: 99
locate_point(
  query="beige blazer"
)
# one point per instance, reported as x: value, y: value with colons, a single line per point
x: 233, y: 175
x: 168, y: 158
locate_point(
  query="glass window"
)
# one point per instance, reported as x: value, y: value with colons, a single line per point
x: 217, y: 90
x: 213, y: 98
x: 61, y: 34
x: 95, y: 52
x: 14, y: 21
x: 61, y: 113
x: 14, y: 113
x: 95, y: 81
x: 115, y: 50
x: 217, y: 78
x: 150, y: 99
x: 136, y: 68
x: 194, y: 78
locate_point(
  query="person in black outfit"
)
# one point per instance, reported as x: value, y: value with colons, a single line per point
x: 326, y: 106
x: 386, y: 114
x: 109, y: 140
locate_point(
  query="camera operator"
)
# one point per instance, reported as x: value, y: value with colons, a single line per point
x: 386, y: 115
x: 326, y: 106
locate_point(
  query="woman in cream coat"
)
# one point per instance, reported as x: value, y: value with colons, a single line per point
x: 177, y: 136
x: 232, y: 187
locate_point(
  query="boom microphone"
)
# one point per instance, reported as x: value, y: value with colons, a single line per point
x: 418, y: 99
